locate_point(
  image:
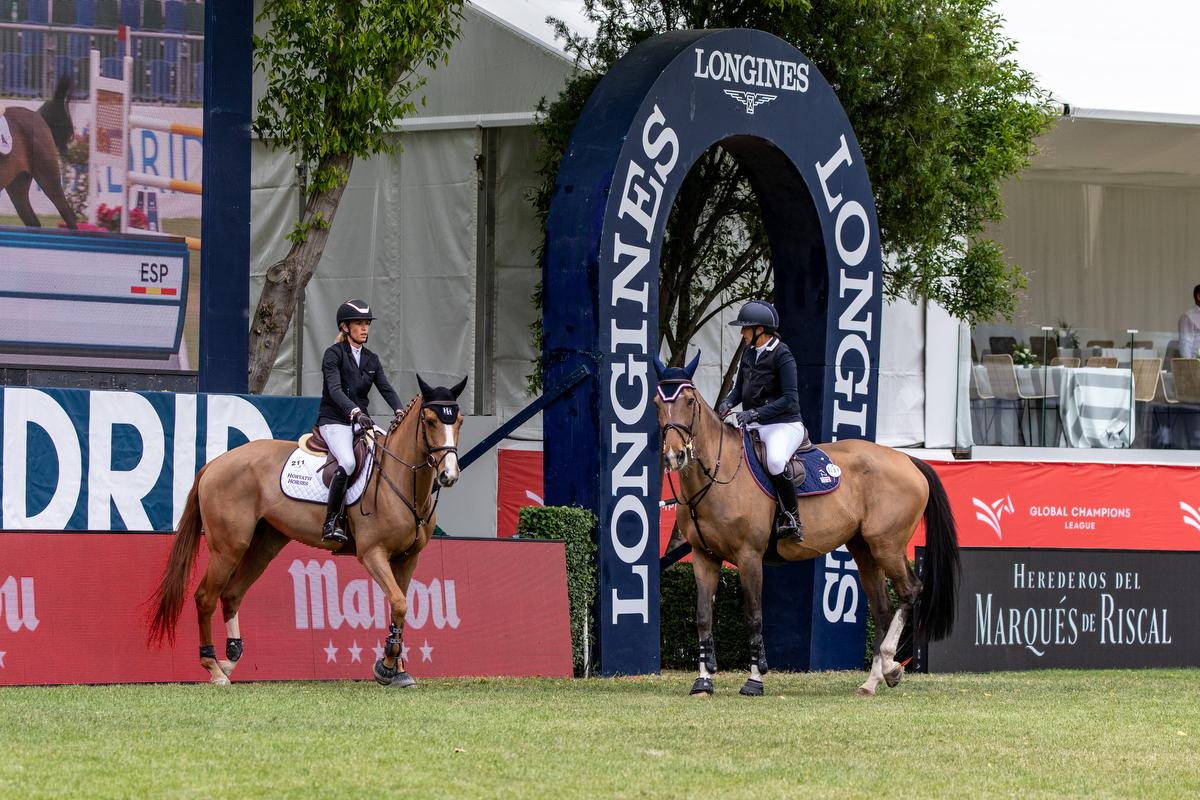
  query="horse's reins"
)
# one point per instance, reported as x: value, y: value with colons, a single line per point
x: 713, y: 476
x: 434, y: 458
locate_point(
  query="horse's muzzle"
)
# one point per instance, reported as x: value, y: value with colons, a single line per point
x: 448, y: 474
x: 675, y: 460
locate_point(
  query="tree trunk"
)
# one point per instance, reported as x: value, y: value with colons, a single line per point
x: 285, y: 281
x: 730, y: 373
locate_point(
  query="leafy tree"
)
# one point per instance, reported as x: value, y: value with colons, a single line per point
x: 941, y: 110
x: 339, y: 74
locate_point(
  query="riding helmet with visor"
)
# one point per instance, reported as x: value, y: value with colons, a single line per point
x: 756, y: 313
x: 354, y: 309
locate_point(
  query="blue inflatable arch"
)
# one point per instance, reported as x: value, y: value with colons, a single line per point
x: 653, y: 115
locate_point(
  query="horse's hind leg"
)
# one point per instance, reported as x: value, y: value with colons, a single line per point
x: 880, y: 604
x: 225, y: 550
x: 18, y: 192
x: 908, y: 589
x: 51, y: 183
x: 265, y: 545
x: 707, y: 570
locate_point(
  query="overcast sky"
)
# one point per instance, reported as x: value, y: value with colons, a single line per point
x: 1139, y: 56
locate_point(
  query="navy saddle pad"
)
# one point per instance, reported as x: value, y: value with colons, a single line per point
x: 821, y: 475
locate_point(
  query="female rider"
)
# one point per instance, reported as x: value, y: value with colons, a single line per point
x: 767, y: 389
x: 350, y: 370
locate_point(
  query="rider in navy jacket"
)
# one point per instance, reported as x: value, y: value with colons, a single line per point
x: 768, y: 391
x: 350, y: 370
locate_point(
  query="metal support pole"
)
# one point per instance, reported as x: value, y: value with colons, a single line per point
x: 1046, y: 329
x: 1132, y: 388
x: 298, y: 320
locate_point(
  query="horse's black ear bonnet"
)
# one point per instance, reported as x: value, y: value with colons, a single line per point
x: 442, y: 401
x: 672, y: 380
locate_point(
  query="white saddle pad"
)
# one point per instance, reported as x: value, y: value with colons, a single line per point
x: 6, y: 141
x: 300, y: 478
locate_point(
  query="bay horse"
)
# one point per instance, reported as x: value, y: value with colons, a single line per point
x: 237, y: 503
x: 36, y: 139
x: 874, y: 512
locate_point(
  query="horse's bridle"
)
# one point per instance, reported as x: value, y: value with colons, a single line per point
x: 688, y: 434
x: 435, y: 456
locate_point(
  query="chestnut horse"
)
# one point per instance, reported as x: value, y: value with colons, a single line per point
x: 874, y: 512
x: 37, y: 140
x: 237, y: 503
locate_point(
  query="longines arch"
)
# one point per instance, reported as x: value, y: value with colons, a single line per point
x: 658, y: 109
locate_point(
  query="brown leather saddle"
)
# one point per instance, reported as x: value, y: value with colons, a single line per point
x: 313, y: 443
x: 795, y: 467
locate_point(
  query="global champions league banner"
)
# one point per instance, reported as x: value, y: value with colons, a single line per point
x: 87, y: 475
x: 653, y: 115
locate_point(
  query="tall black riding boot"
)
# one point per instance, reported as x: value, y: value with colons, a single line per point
x: 337, y: 492
x: 788, y: 523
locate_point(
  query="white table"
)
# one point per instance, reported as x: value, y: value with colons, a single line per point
x: 1096, y: 408
x: 1083, y: 408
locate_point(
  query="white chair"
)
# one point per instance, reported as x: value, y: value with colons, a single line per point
x: 981, y: 399
x: 1002, y: 374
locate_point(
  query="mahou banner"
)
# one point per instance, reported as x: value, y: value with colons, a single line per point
x: 73, y: 610
x: 1073, y: 506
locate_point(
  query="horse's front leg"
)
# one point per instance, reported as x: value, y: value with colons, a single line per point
x: 389, y: 670
x: 750, y: 574
x: 708, y: 571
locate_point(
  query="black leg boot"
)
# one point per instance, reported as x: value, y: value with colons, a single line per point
x: 788, y: 524
x: 337, y: 492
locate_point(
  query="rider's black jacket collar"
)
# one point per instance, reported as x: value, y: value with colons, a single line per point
x: 348, y: 384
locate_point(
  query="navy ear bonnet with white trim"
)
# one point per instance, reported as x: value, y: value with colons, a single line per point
x: 675, y: 378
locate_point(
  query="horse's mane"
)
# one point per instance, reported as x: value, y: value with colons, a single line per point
x: 408, y: 409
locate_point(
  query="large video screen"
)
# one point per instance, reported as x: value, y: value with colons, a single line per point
x: 101, y: 152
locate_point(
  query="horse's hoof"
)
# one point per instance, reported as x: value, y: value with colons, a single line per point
x: 403, y: 681
x: 226, y: 666
x: 702, y: 686
x: 752, y: 688
x: 864, y: 691
x: 221, y: 681
x: 384, y: 674
x: 894, y: 676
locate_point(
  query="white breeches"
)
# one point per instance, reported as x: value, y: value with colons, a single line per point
x: 780, y: 440
x: 340, y: 439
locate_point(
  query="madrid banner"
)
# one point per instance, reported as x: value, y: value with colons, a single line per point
x: 79, y: 460
x: 73, y: 610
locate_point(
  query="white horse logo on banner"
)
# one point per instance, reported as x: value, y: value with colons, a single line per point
x: 1191, y: 516
x: 990, y: 514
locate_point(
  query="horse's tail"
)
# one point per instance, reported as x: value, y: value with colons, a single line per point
x: 939, y: 592
x: 168, y: 598
x: 58, y: 116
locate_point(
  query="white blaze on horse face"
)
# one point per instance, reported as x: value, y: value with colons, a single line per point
x: 449, y: 472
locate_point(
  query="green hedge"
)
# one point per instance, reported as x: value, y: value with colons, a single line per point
x: 576, y: 527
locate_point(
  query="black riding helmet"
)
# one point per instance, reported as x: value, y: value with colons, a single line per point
x: 354, y: 309
x: 757, y: 313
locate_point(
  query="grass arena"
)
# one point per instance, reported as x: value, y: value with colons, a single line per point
x: 1104, y: 733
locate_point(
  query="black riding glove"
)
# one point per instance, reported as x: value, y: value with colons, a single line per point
x: 746, y: 417
x: 724, y: 409
x: 366, y: 422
